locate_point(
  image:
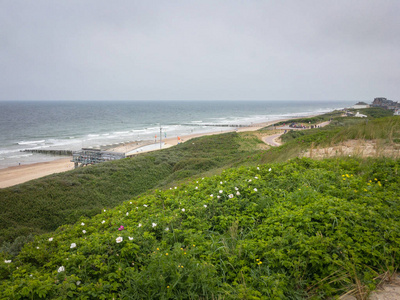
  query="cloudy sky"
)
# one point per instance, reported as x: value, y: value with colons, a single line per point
x: 199, y: 50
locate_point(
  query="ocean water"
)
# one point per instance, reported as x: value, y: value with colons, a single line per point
x: 72, y: 125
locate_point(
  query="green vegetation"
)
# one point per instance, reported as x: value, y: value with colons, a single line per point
x: 300, y: 229
x: 313, y: 120
x: 218, y: 217
x: 44, y: 204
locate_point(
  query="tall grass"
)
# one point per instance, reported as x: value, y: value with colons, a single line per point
x: 44, y: 204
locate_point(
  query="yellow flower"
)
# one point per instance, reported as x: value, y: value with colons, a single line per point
x: 194, y: 245
x: 184, y: 252
x: 181, y: 266
x: 166, y: 253
x: 257, y: 259
x: 158, y: 249
x: 181, y: 248
x: 347, y: 175
x: 167, y: 286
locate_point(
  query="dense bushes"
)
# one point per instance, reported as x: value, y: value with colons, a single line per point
x: 301, y: 229
x: 44, y: 204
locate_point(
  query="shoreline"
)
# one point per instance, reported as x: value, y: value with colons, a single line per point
x: 15, y: 175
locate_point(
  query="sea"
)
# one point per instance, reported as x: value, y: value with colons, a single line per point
x: 72, y: 125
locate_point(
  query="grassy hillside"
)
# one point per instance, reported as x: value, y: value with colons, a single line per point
x: 300, y: 229
x: 44, y: 204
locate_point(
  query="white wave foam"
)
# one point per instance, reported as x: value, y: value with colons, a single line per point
x: 20, y: 156
x: 8, y: 151
x: 30, y: 142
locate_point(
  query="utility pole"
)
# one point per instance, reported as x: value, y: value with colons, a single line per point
x: 160, y: 136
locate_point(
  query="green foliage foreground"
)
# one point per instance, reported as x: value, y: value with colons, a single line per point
x: 301, y: 229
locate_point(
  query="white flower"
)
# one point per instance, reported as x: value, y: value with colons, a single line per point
x: 137, y: 207
x: 258, y: 168
x: 256, y: 177
x: 221, y: 191
x: 50, y: 239
x: 269, y: 169
x: 102, y: 222
x: 83, y: 224
x: 37, y: 247
x: 249, y: 180
x: 237, y: 193
x: 119, y: 239
x: 196, y: 187
x: 218, y: 197
x: 170, y: 188
x: 236, y: 188
x: 153, y: 224
x: 144, y: 205
x: 7, y: 261
x: 205, y: 205
x: 220, y: 182
x: 211, y: 195
x: 140, y: 225
x: 130, y: 202
x: 61, y: 269
x: 73, y: 245
x: 127, y: 214
x: 84, y: 231
x: 130, y: 238
x: 167, y: 229
x: 197, y: 182
x: 78, y: 282
x: 255, y: 189
x: 104, y: 210
x: 175, y: 187
x: 230, y: 196
x: 183, y: 209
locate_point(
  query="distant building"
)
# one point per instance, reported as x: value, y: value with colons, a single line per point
x: 385, y: 103
x: 360, y: 105
x: 397, y: 112
x: 358, y: 115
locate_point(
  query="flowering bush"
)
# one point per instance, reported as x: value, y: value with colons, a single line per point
x: 278, y: 238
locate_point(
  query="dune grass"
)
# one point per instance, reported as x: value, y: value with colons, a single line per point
x: 43, y: 204
x: 302, y: 229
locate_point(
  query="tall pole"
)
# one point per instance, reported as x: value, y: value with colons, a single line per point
x: 160, y: 136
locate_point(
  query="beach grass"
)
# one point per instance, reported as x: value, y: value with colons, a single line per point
x: 43, y: 204
x: 302, y: 229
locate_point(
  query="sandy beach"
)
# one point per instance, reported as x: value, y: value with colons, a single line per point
x: 20, y: 174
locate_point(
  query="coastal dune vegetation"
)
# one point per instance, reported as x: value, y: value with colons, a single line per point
x: 218, y: 217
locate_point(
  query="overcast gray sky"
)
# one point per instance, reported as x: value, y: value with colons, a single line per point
x: 195, y: 50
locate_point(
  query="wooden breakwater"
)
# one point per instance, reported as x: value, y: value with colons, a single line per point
x: 50, y: 152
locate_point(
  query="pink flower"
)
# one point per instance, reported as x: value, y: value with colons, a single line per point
x: 121, y: 228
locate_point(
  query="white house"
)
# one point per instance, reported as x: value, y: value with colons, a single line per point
x: 360, y: 105
x: 397, y: 112
x: 358, y: 115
